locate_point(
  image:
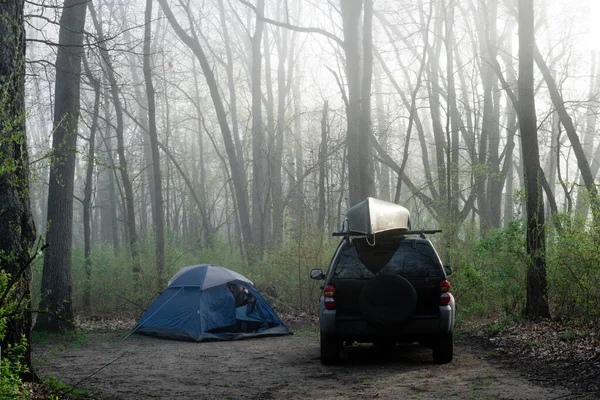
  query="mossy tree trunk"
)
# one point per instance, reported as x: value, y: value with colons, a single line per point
x: 17, y: 230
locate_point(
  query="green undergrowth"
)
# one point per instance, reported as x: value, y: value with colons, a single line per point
x: 57, y: 389
x: 489, y: 279
x: 68, y: 339
x: 116, y: 292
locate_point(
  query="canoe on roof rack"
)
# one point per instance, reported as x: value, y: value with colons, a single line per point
x: 373, y: 216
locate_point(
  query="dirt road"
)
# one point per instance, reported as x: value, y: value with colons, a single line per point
x: 288, y: 367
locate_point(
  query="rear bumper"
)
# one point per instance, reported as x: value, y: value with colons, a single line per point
x: 358, y: 328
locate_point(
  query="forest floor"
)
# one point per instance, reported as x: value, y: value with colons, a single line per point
x: 524, y: 361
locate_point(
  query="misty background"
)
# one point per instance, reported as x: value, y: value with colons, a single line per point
x: 272, y: 118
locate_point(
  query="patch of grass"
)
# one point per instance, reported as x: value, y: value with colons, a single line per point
x: 307, y: 332
x: 495, y: 328
x: 69, y: 339
x: 567, y: 336
x: 58, y: 388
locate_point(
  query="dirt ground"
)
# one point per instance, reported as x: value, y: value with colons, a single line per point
x: 288, y: 367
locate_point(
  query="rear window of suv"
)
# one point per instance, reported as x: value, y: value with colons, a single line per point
x: 413, y: 259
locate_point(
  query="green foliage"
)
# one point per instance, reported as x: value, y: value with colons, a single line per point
x: 574, y: 269
x: 12, y: 367
x: 11, y: 370
x: 284, y: 273
x: 492, y: 280
x: 489, y: 278
x: 62, y: 340
x: 282, y: 276
x: 56, y: 386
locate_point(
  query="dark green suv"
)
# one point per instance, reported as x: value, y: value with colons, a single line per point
x: 391, y: 291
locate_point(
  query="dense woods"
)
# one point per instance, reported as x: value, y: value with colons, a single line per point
x: 170, y: 133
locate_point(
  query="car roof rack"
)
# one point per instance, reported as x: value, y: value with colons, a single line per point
x: 421, y: 233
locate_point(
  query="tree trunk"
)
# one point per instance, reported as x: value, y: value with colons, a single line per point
x: 207, y: 230
x: 297, y: 155
x: 109, y: 218
x: 322, y: 168
x: 537, y: 297
x: 88, y: 190
x: 260, y: 187
x: 237, y: 172
x: 382, y: 127
x: 277, y: 156
x: 17, y: 230
x: 157, y: 205
x: 567, y: 122
x: 365, y: 154
x: 360, y: 165
x: 453, y: 121
x: 56, y: 288
x: 127, y: 186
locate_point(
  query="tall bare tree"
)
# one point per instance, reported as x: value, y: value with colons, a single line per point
x: 537, y: 297
x: 17, y: 230
x: 129, y: 209
x: 157, y: 198
x: 260, y: 187
x: 88, y: 187
x: 235, y: 162
x: 56, y: 289
x: 358, y: 113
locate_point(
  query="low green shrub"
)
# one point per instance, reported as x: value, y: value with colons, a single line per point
x: 12, y: 367
x: 492, y: 281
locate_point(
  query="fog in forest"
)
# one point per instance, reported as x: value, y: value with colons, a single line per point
x: 240, y: 132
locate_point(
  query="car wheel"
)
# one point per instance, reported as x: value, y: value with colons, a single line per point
x: 443, y: 349
x: 330, y: 349
x: 387, y: 300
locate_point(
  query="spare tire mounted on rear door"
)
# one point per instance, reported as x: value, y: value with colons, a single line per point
x: 388, y: 299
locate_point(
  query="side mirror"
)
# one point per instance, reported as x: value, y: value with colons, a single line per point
x: 317, y: 273
x: 448, y: 270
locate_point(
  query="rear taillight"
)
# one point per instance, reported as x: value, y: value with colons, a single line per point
x: 329, y: 297
x: 444, y: 286
x: 445, y: 297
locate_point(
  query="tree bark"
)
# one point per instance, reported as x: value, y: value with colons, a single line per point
x: 358, y: 112
x: 17, y: 230
x: 120, y: 128
x: 277, y: 156
x: 436, y: 122
x: 56, y: 288
x: 157, y: 205
x: 260, y: 187
x: 537, y: 297
x: 322, y: 167
x: 88, y: 190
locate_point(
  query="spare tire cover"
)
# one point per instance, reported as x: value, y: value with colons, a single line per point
x: 388, y: 299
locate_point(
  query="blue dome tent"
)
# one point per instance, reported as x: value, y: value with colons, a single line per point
x: 207, y: 302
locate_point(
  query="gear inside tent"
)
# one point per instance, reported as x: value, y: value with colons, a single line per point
x: 207, y: 302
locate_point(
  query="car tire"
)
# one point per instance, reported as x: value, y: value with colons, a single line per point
x: 330, y: 350
x: 443, y: 349
x: 388, y: 300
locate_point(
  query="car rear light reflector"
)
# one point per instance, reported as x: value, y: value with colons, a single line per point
x: 445, y: 298
x: 329, y: 291
x: 445, y: 286
x: 328, y: 298
x: 329, y: 303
